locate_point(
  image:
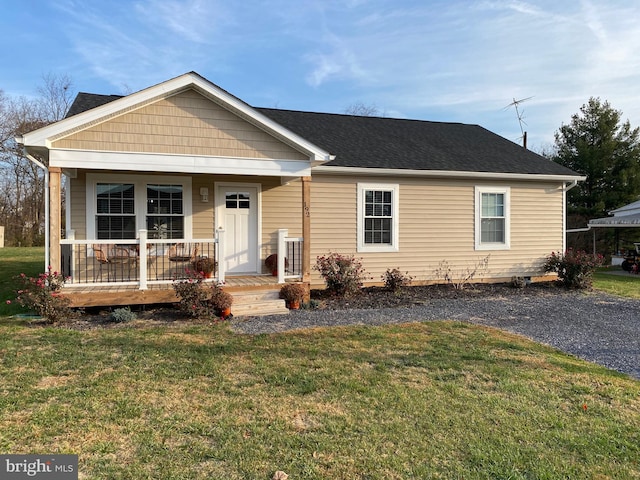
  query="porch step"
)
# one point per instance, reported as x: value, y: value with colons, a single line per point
x: 257, y: 303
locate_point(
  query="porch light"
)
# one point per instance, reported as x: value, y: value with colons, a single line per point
x: 204, y: 194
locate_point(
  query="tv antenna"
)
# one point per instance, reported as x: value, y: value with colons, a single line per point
x: 520, y: 115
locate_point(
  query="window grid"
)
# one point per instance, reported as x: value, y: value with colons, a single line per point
x: 378, y: 208
x: 238, y: 200
x: 492, y: 221
x: 165, y: 211
x: 115, y: 211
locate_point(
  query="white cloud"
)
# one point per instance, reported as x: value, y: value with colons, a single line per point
x: 190, y: 20
x: 144, y: 43
x: 454, y: 60
x: 473, y: 59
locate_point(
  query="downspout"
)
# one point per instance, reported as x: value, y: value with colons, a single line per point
x: 46, y: 206
x: 565, y: 189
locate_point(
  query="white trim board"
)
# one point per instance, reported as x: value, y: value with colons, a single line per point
x: 153, y: 162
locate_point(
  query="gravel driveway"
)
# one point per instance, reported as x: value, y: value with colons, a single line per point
x: 594, y: 326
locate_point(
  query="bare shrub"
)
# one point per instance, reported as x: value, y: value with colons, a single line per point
x: 459, y: 278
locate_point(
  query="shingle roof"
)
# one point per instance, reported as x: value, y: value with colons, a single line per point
x: 87, y: 101
x: 375, y: 142
x: 389, y: 143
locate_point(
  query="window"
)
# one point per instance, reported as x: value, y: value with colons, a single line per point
x: 492, y: 218
x: 115, y: 211
x: 377, y: 218
x: 165, y: 211
x: 123, y: 204
x: 238, y: 200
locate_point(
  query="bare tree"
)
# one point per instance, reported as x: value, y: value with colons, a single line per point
x: 21, y: 182
x: 362, y: 110
x: 55, y: 96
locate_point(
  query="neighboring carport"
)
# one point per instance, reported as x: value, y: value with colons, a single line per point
x: 627, y: 216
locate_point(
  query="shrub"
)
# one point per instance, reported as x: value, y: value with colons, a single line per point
x: 460, y: 278
x: 342, y: 274
x: 575, y: 268
x: 311, y: 305
x: 122, y: 315
x: 193, y: 297
x: 518, y: 282
x: 394, y: 279
x: 42, y: 295
x: 200, y: 300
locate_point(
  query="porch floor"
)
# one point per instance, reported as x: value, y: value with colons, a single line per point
x: 100, y: 295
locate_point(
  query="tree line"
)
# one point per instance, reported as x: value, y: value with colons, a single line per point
x: 22, y: 181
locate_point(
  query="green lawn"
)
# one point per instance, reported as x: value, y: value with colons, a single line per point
x: 433, y: 400
x: 624, y: 286
x: 13, y: 262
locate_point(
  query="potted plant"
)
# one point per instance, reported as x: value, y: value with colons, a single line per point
x: 204, y: 265
x: 293, y: 294
x: 221, y: 301
x: 272, y: 264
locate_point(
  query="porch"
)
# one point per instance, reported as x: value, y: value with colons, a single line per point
x: 142, y: 271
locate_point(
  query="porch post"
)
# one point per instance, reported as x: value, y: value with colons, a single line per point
x: 306, y: 228
x: 142, y: 258
x: 55, y: 219
x: 220, y: 254
x: 282, y: 251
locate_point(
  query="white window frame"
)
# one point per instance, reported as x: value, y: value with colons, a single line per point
x: 395, y: 221
x: 140, y: 183
x: 479, y: 245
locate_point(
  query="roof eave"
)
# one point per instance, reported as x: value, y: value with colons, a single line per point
x: 334, y: 170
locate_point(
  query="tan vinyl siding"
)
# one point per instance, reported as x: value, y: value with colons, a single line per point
x: 281, y: 208
x: 202, y: 212
x: 186, y: 124
x: 78, y: 205
x: 437, y: 222
x: 333, y: 215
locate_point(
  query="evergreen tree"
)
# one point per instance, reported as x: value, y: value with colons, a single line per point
x: 598, y: 145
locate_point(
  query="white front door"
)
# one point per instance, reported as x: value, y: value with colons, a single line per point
x: 237, y: 214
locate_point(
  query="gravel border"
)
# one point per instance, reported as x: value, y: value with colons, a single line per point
x: 597, y: 327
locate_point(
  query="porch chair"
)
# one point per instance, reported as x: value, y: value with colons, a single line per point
x: 117, y: 259
x: 181, y: 255
x: 123, y: 259
x: 101, y: 256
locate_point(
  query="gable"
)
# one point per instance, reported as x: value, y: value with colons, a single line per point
x: 186, y: 123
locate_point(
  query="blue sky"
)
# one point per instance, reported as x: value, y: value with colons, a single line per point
x: 449, y: 60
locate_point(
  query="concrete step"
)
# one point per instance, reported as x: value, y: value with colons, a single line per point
x: 257, y: 303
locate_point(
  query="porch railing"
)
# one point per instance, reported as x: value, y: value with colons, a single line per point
x: 289, y: 256
x: 141, y: 262
x: 144, y: 261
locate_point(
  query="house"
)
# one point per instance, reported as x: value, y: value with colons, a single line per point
x: 184, y: 169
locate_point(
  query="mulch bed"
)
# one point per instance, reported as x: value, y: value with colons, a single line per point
x: 368, y: 298
x: 379, y: 297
